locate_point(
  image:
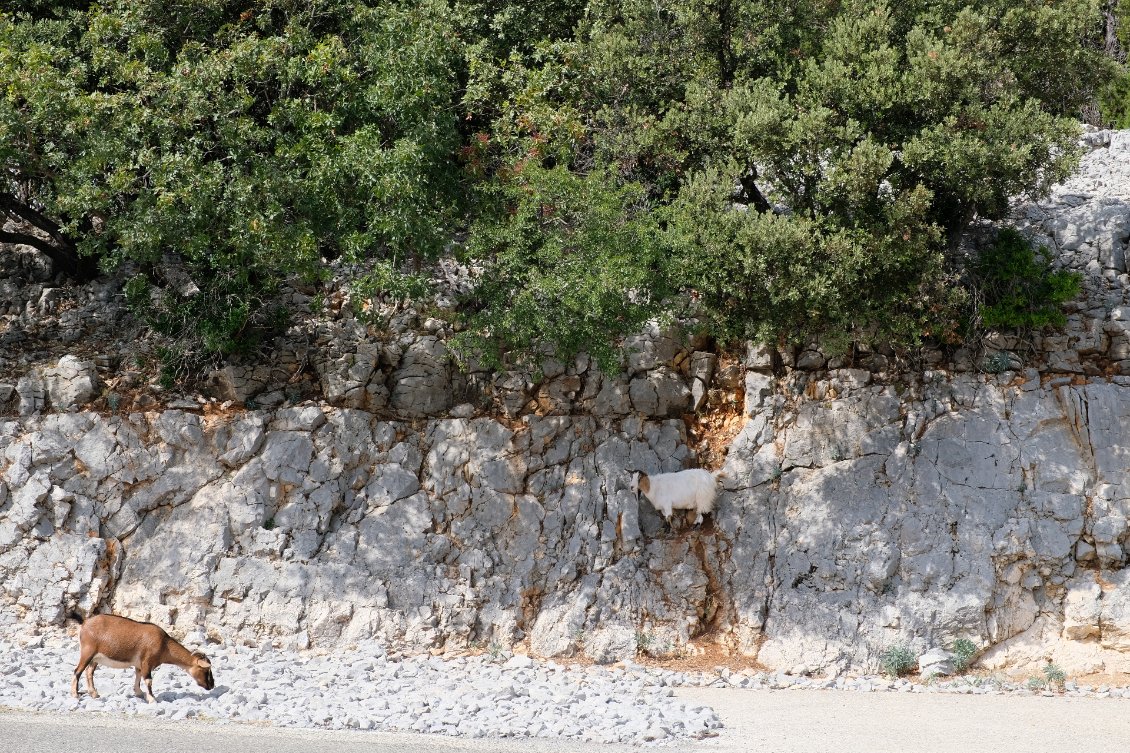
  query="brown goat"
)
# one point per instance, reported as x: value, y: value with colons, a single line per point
x: 119, y: 642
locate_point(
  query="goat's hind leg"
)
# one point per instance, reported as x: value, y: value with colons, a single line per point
x: 85, y: 661
x: 90, y: 679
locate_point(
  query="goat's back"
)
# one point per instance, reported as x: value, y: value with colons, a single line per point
x: 120, y: 638
x: 692, y: 489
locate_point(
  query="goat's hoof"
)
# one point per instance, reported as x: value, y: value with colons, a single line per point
x: 93, y: 694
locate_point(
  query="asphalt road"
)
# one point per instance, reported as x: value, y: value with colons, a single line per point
x: 793, y: 721
x: 819, y: 721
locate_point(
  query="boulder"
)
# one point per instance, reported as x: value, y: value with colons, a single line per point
x: 935, y: 662
x: 71, y: 383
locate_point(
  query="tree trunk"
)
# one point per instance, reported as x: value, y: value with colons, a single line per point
x: 752, y: 193
x: 724, y: 51
x: 60, y: 249
x: 1111, y: 45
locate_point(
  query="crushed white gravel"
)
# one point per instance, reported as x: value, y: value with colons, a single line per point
x: 500, y: 695
x: 368, y: 689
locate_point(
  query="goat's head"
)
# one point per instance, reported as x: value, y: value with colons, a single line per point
x: 639, y: 483
x: 201, y: 670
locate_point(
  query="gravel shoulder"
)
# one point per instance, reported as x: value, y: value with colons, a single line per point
x: 367, y: 689
x: 366, y: 699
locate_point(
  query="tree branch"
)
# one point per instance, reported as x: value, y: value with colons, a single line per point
x: 24, y: 239
x: 63, y: 253
x: 65, y: 260
x: 12, y: 205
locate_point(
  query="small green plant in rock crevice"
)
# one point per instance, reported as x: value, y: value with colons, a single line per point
x: 898, y: 660
x: 643, y: 642
x: 997, y: 363
x: 963, y: 650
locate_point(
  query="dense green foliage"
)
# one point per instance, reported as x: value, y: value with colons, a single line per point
x: 572, y: 261
x: 1114, y: 96
x: 249, y: 140
x: 1018, y: 287
x: 780, y: 170
x: 811, y: 163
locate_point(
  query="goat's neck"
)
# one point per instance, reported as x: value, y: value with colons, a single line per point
x: 177, y: 654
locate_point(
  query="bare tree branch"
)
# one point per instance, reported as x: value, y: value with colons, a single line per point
x: 64, y: 259
x: 14, y: 206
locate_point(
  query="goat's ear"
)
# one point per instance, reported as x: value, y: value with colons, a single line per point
x: 202, y: 661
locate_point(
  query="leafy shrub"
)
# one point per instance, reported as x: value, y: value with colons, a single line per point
x: 898, y: 660
x: 643, y: 641
x: 569, y: 260
x: 1018, y: 286
x: 1114, y: 100
x: 963, y: 651
x: 384, y: 280
x: 1114, y: 97
x: 1054, y: 675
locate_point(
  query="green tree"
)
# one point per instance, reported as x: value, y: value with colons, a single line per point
x: 1114, y: 97
x: 572, y: 263
x: 812, y: 164
x: 792, y: 169
x: 249, y: 140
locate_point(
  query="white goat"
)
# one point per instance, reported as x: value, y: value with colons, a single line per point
x: 119, y: 642
x: 692, y: 489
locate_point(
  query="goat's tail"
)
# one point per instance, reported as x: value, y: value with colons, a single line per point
x: 76, y: 617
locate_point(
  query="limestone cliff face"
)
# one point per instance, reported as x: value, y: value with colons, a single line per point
x: 867, y: 503
x: 988, y: 507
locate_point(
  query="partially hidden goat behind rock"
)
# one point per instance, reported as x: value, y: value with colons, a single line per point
x: 692, y: 489
x: 119, y: 643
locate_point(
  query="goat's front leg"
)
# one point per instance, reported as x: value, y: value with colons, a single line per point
x: 148, y: 686
x: 137, y: 682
